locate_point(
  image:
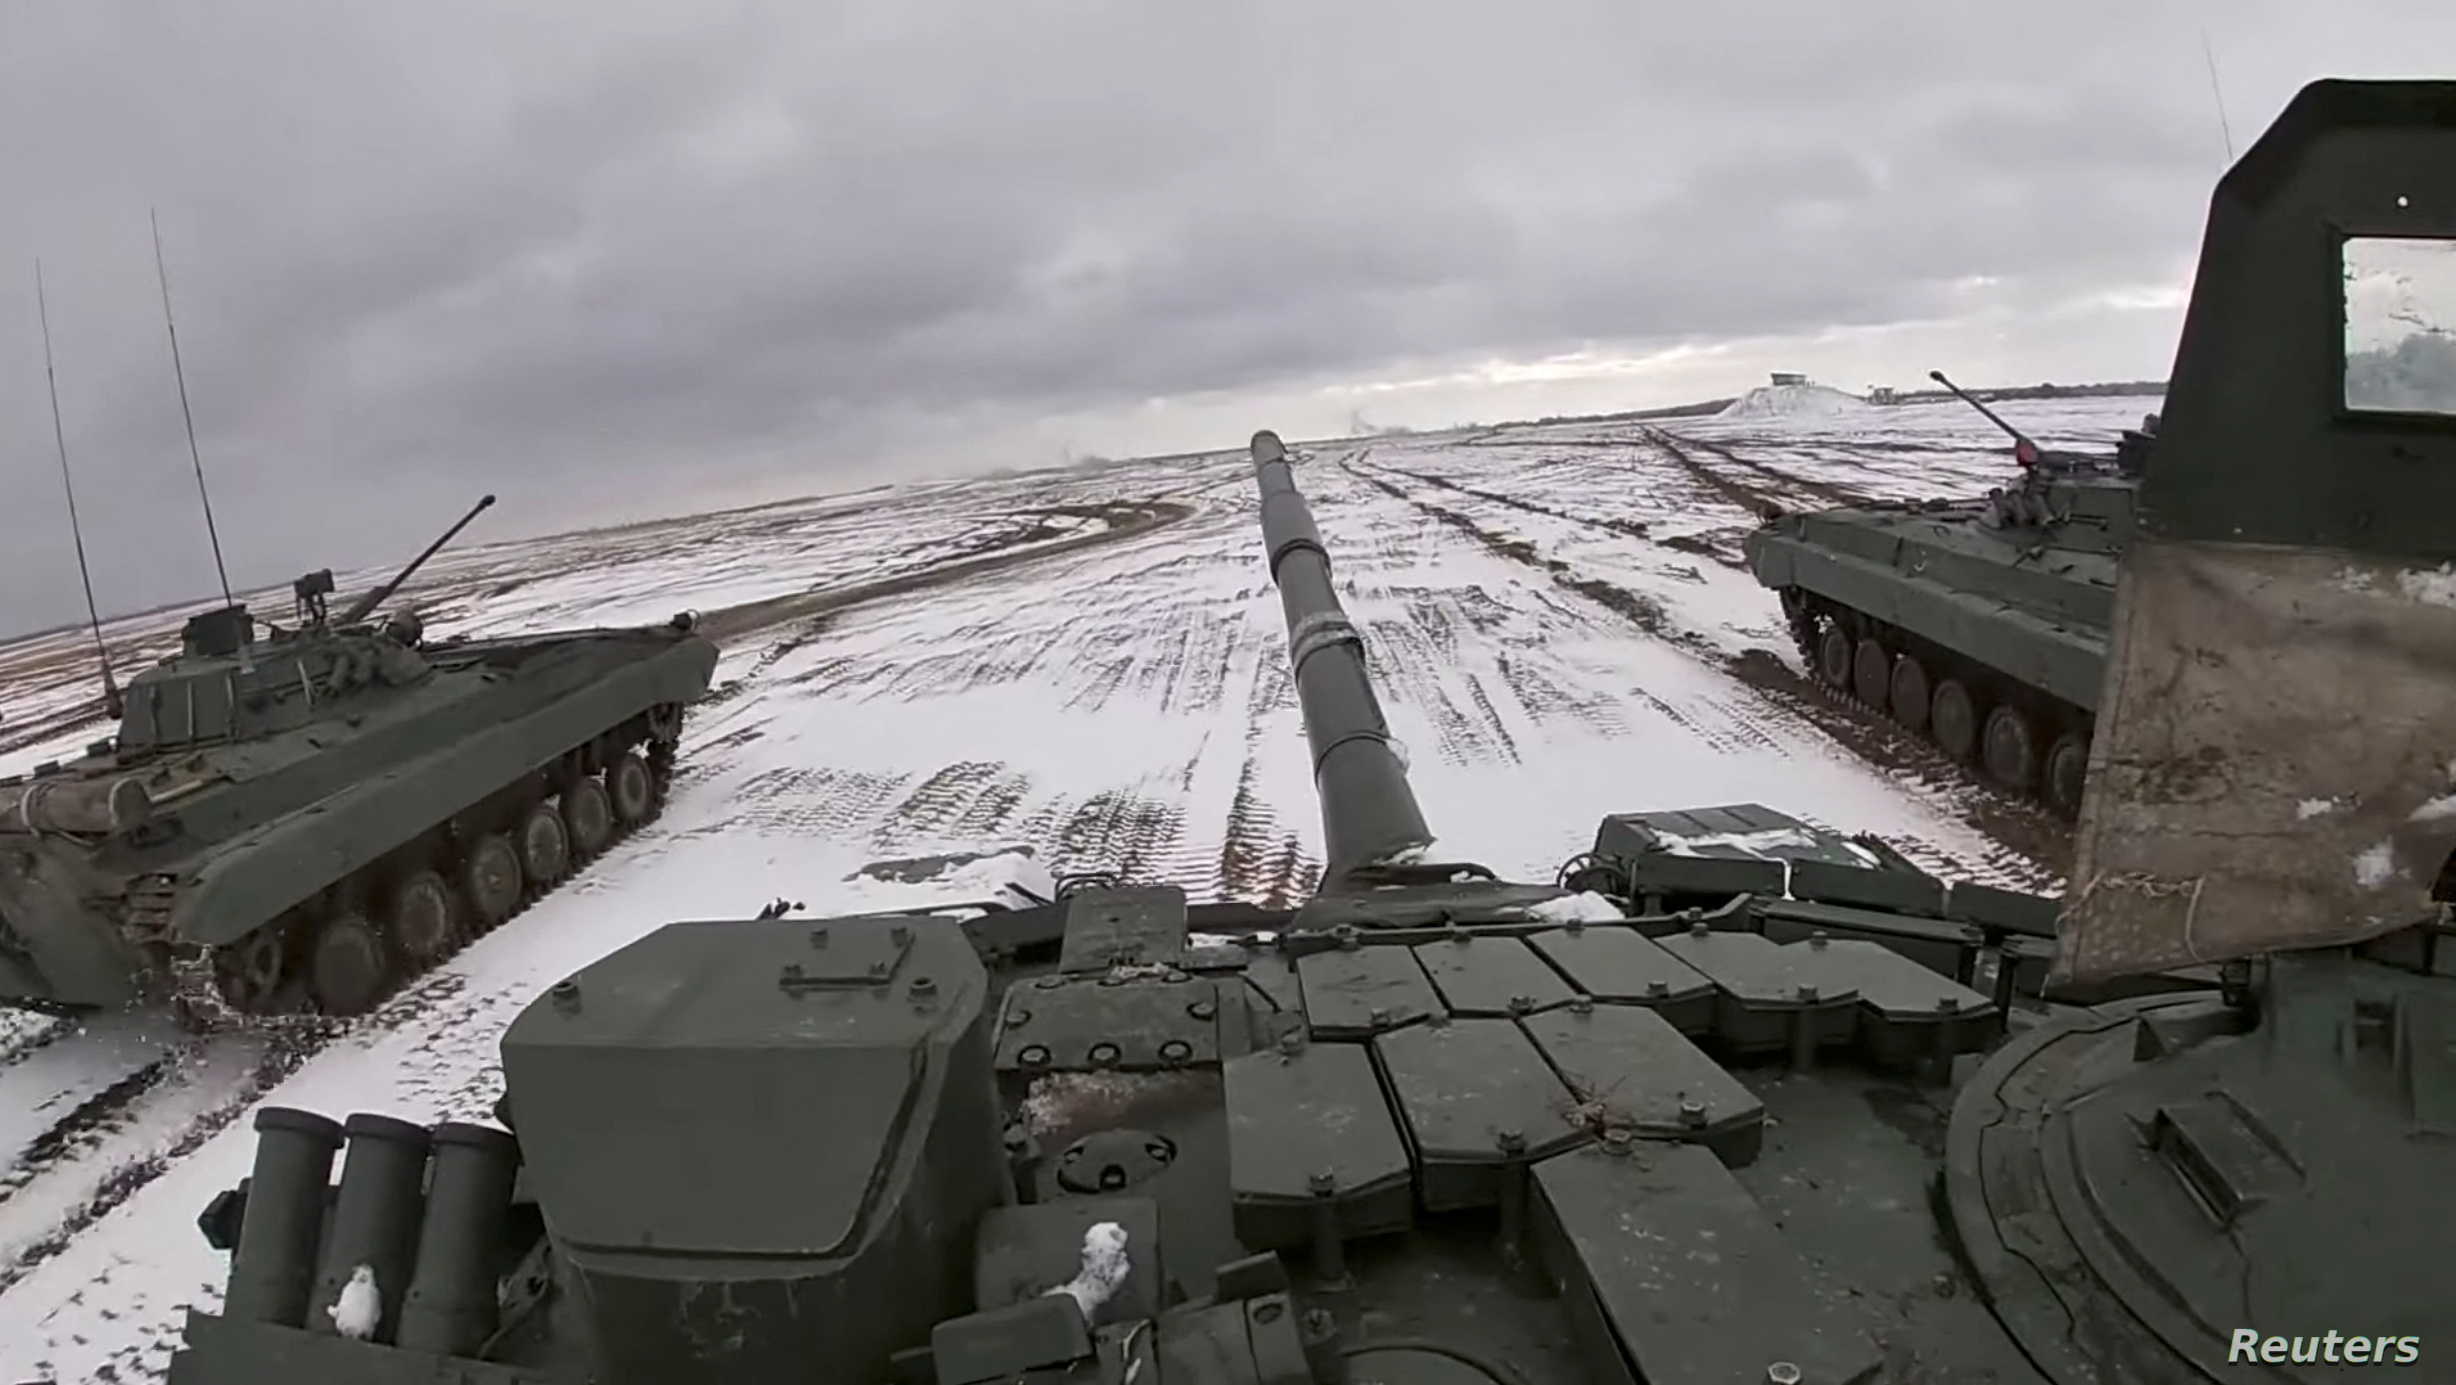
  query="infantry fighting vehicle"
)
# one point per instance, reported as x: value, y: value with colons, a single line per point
x: 309, y: 815
x: 1680, y: 1118
x: 1980, y: 623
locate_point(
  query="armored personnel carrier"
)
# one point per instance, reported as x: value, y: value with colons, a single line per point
x: 1682, y: 1117
x: 1981, y: 624
x: 307, y: 816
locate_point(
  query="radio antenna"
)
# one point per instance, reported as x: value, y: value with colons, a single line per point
x: 76, y: 531
x: 164, y: 274
x: 2210, y: 55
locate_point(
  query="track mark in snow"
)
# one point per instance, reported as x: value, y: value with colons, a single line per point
x: 1754, y: 501
x: 76, y: 1073
x: 2040, y: 846
x: 820, y: 801
x: 1119, y: 832
x: 1628, y: 527
x: 278, y: 1060
x: 1643, y: 610
x: 1823, y: 490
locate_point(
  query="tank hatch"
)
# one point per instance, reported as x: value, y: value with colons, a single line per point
x: 2278, y: 747
x: 2144, y: 1185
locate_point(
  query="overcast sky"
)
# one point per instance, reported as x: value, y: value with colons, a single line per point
x: 612, y: 260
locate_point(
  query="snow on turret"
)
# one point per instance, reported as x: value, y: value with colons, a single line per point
x: 359, y: 1307
x: 1104, y: 1268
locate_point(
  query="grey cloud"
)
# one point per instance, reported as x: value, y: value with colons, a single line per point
x: 607, y: 259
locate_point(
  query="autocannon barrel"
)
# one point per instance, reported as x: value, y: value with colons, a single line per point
x: 1369, y: 814
x: 360, y: 609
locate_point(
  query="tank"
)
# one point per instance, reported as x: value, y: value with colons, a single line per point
x: 1731, y: 1099
x: 304, y: 817
x: 1979, y: 624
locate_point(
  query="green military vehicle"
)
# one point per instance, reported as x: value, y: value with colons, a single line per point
x: 305, y: 817
x: 1732, y: 1100
x: 1981, y: 624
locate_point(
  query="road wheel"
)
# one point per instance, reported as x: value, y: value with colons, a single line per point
x: 250, y: 970
x: 628, y: 782
x: 425, y: 919
x: 545, y: 848
x: 1907, y: 698
x: 350, y: 964
x: 2067, y: 766
x: 1871, y: 672
x: 1833, y: 656
x: 1952, y: 718
x: 2011, y: 749
x: 588, y: 817
x: 490, y: 880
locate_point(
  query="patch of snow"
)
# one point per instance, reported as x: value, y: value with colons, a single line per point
x: 1015, y: 879
x: 2437, y: 587
x: 2311, y: 808
x: 2354, y: 579
x: 2375, y: 867
x: 1205, y: 942
x: 1584, y: 907
x: 1795, y: 401
x: 1068, y: 1100
x: 358, y: 1307
x: 2443, y: 806
x: 1754, y: 843
x: 1104, y: 1268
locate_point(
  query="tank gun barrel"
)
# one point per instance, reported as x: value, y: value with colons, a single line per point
x: 359, y: 609
x: 2024, y: 451
x: 1369, y: 814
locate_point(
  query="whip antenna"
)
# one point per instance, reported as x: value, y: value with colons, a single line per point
x: 2217, y: 92
x: 76, y: 531
x: 164, y: 274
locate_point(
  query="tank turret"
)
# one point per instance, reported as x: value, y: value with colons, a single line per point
x: 1677, y: 1116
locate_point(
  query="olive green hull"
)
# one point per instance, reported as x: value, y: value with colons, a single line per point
x: 276, y: 822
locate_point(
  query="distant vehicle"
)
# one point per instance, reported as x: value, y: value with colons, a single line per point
x: 1980, y: 623
x: 309, y: 816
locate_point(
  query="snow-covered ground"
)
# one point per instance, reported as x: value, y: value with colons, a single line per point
x: 1554, y: 612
